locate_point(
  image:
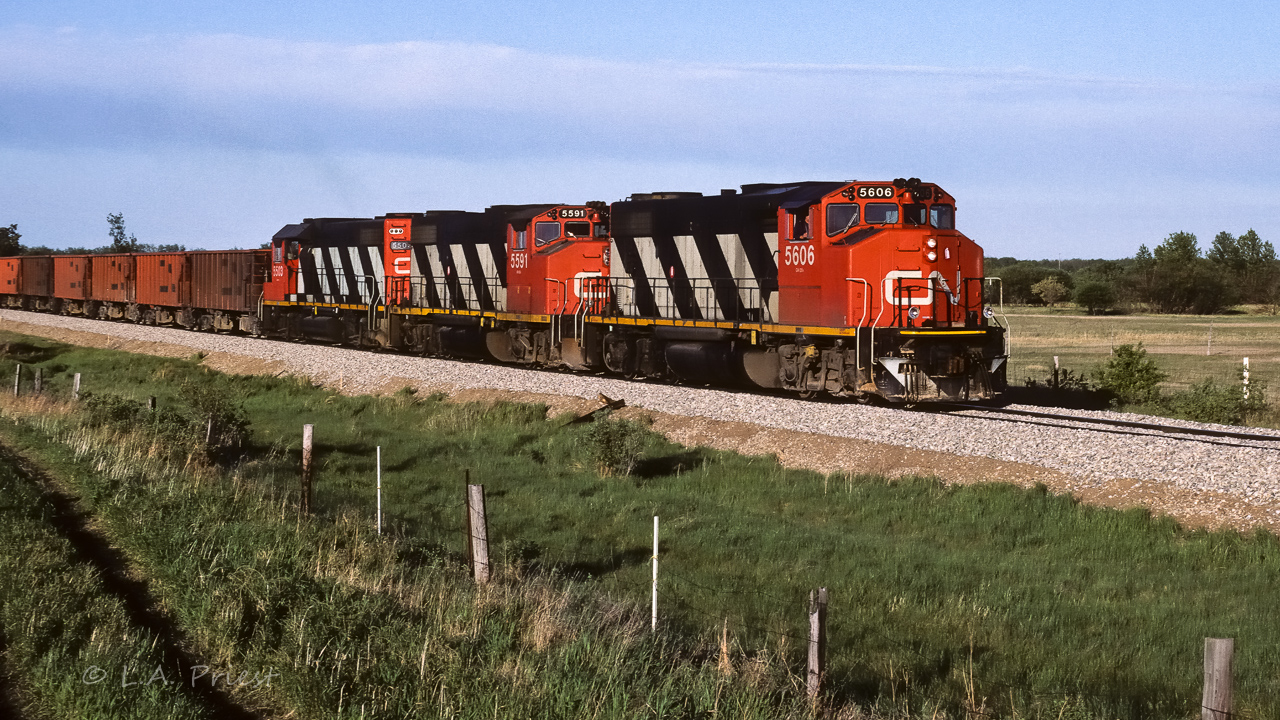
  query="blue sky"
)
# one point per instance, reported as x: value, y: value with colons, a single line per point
x: 1077, y: 131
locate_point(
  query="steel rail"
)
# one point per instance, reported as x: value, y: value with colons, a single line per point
x: 944, y: 407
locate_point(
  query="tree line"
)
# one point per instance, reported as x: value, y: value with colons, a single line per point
x: 121, y: 242
x: 1175, y: 277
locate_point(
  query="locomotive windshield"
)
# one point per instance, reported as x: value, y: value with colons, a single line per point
x: 915, y: 214
x: 841, y: 217
x: 942, y: 217
x: 577, y: 229
x: 545, y: 232
x: 882, y: 213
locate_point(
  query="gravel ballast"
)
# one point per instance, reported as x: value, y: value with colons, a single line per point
x: 1083, y: 460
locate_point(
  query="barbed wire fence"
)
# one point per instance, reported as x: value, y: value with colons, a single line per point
x: 1217, y: 702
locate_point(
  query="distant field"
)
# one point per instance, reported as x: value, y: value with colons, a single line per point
x: 1188, y: 347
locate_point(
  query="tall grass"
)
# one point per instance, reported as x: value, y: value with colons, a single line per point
x: 70, y: 648
x: 356, y: 626
x: 951, y: 600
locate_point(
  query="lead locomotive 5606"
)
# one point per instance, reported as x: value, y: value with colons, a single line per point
x: 857, y: 289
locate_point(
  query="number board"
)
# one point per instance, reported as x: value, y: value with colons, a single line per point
x: 867, y: 192
x: 573, y: 213
x: 399, y: 245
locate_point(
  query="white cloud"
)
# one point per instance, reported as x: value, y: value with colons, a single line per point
x: 442, y: 111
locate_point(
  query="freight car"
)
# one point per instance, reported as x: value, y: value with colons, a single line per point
x: 853, y: 289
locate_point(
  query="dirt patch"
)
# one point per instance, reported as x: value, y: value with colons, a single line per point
x: 793, y: 449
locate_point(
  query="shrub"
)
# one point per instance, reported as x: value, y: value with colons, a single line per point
x: 183, y: 428
x: 1208, y: 402
x: 1131, y: 376
x: 616, y: 445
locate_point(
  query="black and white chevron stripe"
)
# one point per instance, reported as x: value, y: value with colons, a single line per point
x: 349, y: 275
x: 460, y: 276
x: 700, y: 276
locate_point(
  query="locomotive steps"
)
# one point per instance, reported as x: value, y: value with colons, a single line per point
x: 1200, y: 485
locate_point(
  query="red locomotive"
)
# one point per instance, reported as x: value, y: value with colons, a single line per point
x: 858, y: 289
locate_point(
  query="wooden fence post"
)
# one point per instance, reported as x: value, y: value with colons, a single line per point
x: 151, y: 402
x: 75, y: 387
x: 1217, y: 701
x: 817, y: 640
x: 39, y: 383
x: 306, y: 468
x: 17, y: 378
x: 477, y: 534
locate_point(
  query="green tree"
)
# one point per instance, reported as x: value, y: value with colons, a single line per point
x: 119, y: 241
x: 1181, y: 281
x: 10, y: 241
x: 1051, y: 290
x: 1018, y: 278
x: 1179, y: 247
x: 1226, y: 252
x: 1096, y: 296
x: 1130, y: 375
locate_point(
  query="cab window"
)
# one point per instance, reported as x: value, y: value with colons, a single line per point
x: 915, y: 214
x: 577, y: 229
x: 519, y: 239
x: 841, y: 217
x: 942, y: 217
x: 277, y: 254
x: 881, y: 213
x: 799, y: 225
x: 545, y: 232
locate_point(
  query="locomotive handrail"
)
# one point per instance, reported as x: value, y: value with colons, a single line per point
x: 371, y: 312
x: 358, y: 285
x: 564, y: 302
x: 447, y: 300
x: 1008, y: 344
x: 857, y: 346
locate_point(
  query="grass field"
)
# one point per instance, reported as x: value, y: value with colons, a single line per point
x: 1189, y: 349
x: 955, y: 600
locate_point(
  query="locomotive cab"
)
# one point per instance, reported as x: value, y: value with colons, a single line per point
x: 885, y: 260
x: 285, y: 247
x: 554, y: 258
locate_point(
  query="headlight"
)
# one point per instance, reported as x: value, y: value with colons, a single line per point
x: 931, y: 243
x: 913, y: 313
x: 987, y: 312
x: 932, y: 256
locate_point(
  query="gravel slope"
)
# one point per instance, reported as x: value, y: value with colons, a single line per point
x: 1086, y: 460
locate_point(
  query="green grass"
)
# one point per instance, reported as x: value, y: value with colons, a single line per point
x: 1181, y: 344
x: 69, y: 645
x: 1018, y: 601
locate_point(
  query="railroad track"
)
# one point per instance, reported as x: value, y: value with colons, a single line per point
x: 1126, y: 426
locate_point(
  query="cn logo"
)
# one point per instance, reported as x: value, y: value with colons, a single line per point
x: 595, y: 290
x: 400, y: 266
x: 916, y: 298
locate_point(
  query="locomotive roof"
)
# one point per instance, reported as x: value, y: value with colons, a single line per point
x: 679, y: 213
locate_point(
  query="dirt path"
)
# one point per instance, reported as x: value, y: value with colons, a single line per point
x: 121, y: 580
